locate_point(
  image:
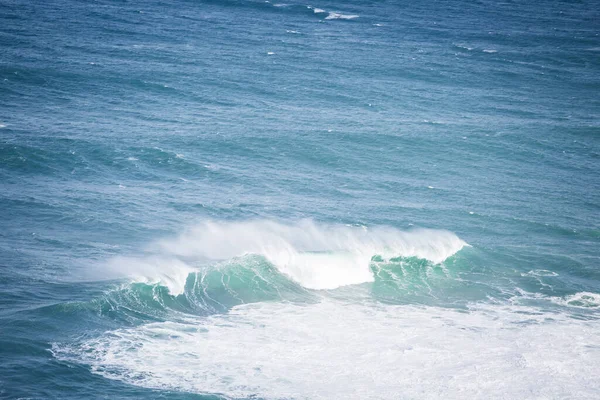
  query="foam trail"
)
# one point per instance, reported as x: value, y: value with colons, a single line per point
x: 580, y: 300
x: 583, y: 300
x: 333, y: 350
x: 318, y: 256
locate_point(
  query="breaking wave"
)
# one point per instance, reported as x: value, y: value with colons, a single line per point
x: 315, y: 255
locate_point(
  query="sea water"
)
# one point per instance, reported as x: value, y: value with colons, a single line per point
x: 245, y: 199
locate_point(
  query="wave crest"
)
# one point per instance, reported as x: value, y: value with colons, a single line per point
x: 317, y: 256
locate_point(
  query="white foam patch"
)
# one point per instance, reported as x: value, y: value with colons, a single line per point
x: 334, y: 15
x: 461, y: 46
x: 583, y: 300
x: 316, y: 10
x: 579, y: 300
x: 332, y: 350
x: 318, y: 256
x: 540, y: 272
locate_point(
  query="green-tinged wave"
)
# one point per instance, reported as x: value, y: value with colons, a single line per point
x: 210, y: 290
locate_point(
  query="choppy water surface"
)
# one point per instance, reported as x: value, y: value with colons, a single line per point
x: 244, y: 199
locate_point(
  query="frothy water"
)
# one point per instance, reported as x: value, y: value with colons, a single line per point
x: 337, y: 351
x: 334, y: 15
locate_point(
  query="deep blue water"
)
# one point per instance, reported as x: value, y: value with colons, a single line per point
x: 246, y: 199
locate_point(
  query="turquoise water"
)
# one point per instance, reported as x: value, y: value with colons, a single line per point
x: 235, y: 199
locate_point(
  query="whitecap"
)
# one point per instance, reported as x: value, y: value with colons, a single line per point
x: 579, y: 300
x: 583, y: 300
x: 317, y: 256
x: 541, y: 272
x: 167, y: 271
x: 333, y: 350
x: 334, y: 15
x: 316, y: 10
x: 460, y: 46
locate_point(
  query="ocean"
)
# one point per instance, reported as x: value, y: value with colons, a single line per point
x: 245, y: 199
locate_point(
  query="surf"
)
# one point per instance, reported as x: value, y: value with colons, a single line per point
x: 315, y: 255
x: 337, y: 350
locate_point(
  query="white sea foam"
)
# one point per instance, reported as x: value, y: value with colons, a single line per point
x: 579, y: 300
x: 318, y: 256
x: 583, y: 300
x: 333, y: 350
x: 540, y: 272
x: 461, y: 46
x: 168, y: 271
x: 334, y: 15
x: 316, y: 10
x: 489, y: 51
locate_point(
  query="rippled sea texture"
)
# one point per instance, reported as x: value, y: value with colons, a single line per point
x: 235, y: 199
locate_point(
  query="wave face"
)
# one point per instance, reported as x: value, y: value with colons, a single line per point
x: 317, y: 256
x: 209, y: 290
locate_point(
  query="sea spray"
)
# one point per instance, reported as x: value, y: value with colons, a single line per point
x: 316, y: 255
